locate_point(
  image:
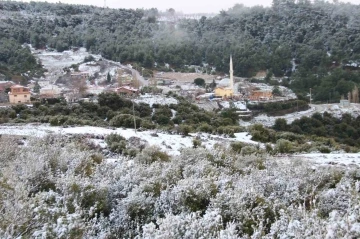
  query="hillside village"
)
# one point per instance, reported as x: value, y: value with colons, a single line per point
x: 77, y: 75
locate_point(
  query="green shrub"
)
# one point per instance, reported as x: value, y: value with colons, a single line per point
x: 58, y: 120
x: 283, y: 146
x: 196, y: 143
x: 261, y: 134
x: 237, y: 146
x: 280, y: 124
x: 269, y: 149
x: 184, y: 129
x: 125, y: 120
x: 229, y: 130
x: 12, y: 114
x: 291, y: 137
x: 147, y: 124
x: 324, y: 150
x: 116, y: 143
x: 206, y: 128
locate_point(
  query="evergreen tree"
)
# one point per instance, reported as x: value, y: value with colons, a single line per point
x: 108, y: 77
x: 37, y: 87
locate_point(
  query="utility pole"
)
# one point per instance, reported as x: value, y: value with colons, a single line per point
x: 134, y: 114
x: 297, y: 105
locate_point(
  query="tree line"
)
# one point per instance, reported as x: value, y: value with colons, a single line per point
x: 315, y: 44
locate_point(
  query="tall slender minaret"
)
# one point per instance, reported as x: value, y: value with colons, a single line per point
x: 231, y: 74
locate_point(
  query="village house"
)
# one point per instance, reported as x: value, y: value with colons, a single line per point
x: 79, y: 76
x: 19, y: 94
x: 50, y: 92
x: 127, y: 90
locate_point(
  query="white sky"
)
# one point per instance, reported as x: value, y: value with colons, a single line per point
x: 186, y: 6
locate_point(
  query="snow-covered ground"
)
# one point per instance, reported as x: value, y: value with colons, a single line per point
x: 156, y: 99
x: 334, y: 109
x: 54, y: 61
x: 345, y: 159
x: 170, y: 143
x: 240, y: 105
x: 270, y: 120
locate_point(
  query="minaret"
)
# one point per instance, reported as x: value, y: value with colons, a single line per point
x: 231, y: 74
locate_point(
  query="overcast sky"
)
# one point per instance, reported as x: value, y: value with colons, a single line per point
x: 186, y: 6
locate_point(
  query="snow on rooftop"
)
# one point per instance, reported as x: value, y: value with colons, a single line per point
x: 224, y: 82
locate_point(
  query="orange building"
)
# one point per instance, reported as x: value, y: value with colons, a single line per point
x: 19, y: 94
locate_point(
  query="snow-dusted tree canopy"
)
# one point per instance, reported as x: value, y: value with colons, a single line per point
x: 60, y: 188
x: 303, y: 40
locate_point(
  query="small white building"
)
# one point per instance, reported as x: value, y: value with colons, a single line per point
x: 344, y: 103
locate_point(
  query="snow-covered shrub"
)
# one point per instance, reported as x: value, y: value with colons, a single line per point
x: 152, y: 154
x: 57, y: 188
x: 248, y: 150
x: 196, y: 143
x: 187, y: 225
x: 116, y: 143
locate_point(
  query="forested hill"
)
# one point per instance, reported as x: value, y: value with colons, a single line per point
x: 318, y: 38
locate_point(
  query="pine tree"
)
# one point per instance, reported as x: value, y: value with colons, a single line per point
x: 37, y: 87
x: 108, y: 77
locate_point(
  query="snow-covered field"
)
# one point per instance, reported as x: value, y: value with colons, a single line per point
x: 170, y: 143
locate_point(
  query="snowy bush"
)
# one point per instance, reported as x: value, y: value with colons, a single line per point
x: 57, y: 188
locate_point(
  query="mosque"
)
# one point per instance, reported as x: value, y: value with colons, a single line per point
x: 225, y: 88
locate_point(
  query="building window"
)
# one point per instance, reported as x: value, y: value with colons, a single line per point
x: 15, y: 95
x: 25, y: 96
